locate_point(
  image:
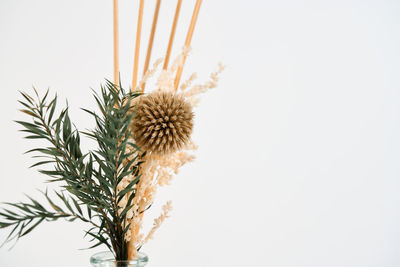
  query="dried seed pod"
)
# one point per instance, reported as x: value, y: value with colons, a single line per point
x: 162, y: 123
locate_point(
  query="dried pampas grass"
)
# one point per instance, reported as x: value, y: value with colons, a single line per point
x: 166, y: 141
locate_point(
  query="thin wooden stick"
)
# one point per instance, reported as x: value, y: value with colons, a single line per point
x: 116, y: 45
x: 172, y: 35
x: 131, y: 248
x: 137, y: 47
x: 151, y: 40
x: 188, y: 40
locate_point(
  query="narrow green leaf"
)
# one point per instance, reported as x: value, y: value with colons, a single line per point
x: 32, y: 227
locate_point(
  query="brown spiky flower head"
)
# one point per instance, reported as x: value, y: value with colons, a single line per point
x: 162, y: 123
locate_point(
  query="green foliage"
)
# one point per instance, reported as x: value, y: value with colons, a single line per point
x: 88, y: 180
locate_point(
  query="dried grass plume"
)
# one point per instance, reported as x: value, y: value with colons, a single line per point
x: 163, y: 122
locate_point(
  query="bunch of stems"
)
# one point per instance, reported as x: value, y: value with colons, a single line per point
x: 134, y: 231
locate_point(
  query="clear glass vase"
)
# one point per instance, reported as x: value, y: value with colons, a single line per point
x: 106, y: 259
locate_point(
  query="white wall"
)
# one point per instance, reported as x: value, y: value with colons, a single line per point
x: 299, y: 154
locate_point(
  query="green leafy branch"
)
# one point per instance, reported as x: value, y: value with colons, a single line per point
x: 88, y: 179
x: 28, y: 215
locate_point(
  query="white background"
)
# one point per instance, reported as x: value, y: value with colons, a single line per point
x: 298, y: 159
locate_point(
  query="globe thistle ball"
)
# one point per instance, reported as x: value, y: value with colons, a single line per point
x: 162, y: 123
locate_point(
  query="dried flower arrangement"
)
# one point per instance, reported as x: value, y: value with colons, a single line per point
x: 143, y: 139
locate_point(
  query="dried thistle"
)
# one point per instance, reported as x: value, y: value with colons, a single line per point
x: 163, y: 122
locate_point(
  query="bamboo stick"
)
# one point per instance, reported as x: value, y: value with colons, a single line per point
x: 151, y: 40
x: 137, y: 46
x: 172, y: 35
x: 116, y: 44
x: 131, y: 248
x: 188, y: 40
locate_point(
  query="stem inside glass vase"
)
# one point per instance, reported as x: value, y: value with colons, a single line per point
x: 106, y: 259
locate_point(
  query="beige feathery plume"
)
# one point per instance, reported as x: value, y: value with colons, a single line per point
x: 210, y: 84
x: 158, y: 221
x: 162, y: 123
x: 189, y: 81
x: 168, y: 150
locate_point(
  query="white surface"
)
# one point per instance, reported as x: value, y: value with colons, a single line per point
x: 299, y: 152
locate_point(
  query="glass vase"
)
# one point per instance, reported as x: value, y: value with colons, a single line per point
x: 106, y: 259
